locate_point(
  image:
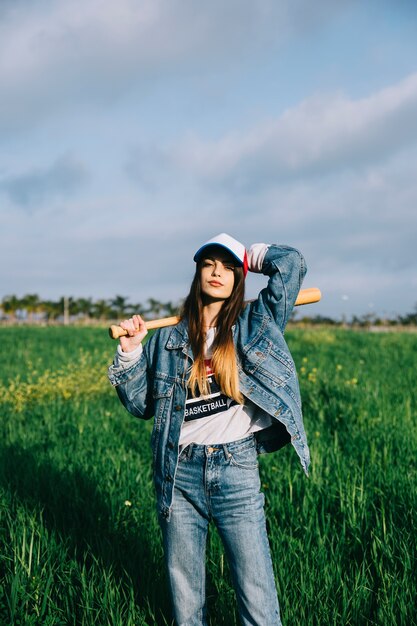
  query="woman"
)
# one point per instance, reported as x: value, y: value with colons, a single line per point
x: 222, y: 387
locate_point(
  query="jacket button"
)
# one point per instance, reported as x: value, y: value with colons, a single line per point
x: 170, y: 445
x: 168, y: 478
x: 178, y: 407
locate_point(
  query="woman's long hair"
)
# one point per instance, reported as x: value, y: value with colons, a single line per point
x: 224, y: 359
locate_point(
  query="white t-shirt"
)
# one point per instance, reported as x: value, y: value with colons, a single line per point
x: 215, y: 418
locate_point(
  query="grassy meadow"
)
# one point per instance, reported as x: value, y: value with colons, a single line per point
x: 80, y: 544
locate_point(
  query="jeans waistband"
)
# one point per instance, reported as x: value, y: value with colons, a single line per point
x: 203, y: 450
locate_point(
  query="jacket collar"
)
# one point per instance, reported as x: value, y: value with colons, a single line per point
x: 178, y: 337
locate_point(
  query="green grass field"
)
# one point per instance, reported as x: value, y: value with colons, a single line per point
x: 79, y: 537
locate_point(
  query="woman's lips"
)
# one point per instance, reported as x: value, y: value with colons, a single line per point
x: 214, y: 283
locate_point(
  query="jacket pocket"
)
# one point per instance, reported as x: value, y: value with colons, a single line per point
x: 161, y: 394
x: 282, y: 359
x: 256, y: 355
x: 267, y: 363
x: 162, y: 387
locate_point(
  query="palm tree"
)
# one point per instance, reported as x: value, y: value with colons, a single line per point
x: 102, y: 310
x: 83, y: 307
x: 53, y: 309
x: 155, y: 307
x: 135, y: 309
x: 171, y: 308
x: 119, y: 305
x: 32, y: 304
x: 10, y: 305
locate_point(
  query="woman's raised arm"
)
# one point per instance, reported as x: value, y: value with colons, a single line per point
x: 286, y: 268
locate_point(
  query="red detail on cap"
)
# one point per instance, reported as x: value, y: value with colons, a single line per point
x: 245, y: 264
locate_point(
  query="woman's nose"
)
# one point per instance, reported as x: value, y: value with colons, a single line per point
x: 216, y: 269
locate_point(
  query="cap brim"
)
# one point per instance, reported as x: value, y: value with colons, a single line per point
x: 201, y: 250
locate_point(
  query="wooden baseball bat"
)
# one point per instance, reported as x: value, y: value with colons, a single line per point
x: 305, y: 296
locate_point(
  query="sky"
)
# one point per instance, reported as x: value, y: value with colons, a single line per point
x: 133, y: 131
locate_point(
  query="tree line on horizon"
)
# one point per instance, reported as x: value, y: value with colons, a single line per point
x: 32, y: 309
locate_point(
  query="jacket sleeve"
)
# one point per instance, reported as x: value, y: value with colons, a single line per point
x: 133, y: 385
x: 286, y: 268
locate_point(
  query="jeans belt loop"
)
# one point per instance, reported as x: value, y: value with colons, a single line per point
x: 227, y: 454
x: 190, y: 450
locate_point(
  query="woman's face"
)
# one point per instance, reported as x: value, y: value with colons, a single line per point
x: 217, y: 274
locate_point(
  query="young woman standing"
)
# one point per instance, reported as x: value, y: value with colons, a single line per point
x: 222, y: 388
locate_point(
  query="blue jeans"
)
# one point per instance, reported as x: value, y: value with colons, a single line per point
x: 220, y: 483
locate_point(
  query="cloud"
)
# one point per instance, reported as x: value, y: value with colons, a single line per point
x: 356, y: 223
x: 333, y: 175
x: 322, y: 135
x: 55, y: 54
x: 357, y: 233
x: 65, y: 176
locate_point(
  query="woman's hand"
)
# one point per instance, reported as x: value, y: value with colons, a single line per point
x: 136, y: 330
x: 256, y: 255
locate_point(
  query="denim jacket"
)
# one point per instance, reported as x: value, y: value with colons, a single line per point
x: 155, y: 384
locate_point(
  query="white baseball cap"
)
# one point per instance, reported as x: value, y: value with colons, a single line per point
x: 236, y: 249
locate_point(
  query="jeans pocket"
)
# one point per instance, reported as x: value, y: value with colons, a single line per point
x: 183, y: 455
x: 244, y: 459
